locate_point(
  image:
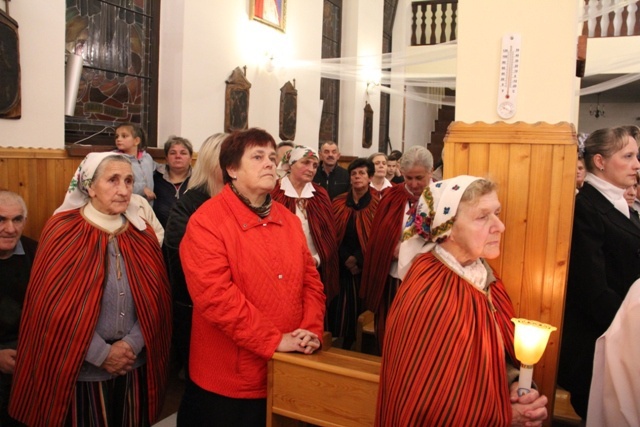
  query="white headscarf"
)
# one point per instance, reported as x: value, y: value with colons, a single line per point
x: 296, y: 153
x: 78, y: 194
x: 435, y: 213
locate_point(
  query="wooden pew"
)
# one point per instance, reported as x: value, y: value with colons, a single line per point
x: 331, y: 388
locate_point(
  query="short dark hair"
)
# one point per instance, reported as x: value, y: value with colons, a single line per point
x: 362, y: 162
x: 234, y: 146
x: 395, y: 155
x: 329, y: 143
x: 285, y: 144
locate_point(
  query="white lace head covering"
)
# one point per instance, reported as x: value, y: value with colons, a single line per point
x: 296, y: 153
x: 78, y: 194
x: 432, y: 223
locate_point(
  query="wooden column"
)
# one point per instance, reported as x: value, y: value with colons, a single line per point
x: 535, y: 167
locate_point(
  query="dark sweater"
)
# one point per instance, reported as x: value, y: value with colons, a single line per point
x: 167, y: 194
x: 14, y: 272
x: 176, y: 225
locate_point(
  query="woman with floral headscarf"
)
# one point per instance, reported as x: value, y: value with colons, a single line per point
x: 311, y: 203
x: 449, y: 334
x: 96, y: 324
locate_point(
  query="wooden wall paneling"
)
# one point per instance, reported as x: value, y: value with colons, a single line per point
x: 499, y: 172
x: 41, y: 177
x: 460, y: 158
x: 479, y: 159
x: 515, y: 207
x: 534, y: 166
x: 536, y: 249
x: 557, y: 263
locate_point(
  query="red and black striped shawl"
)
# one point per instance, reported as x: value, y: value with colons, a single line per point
x: 443, y: 360
x: 385, y: 235
x: 363, y: 218
x: 322, y: 226
x: 61, y: 312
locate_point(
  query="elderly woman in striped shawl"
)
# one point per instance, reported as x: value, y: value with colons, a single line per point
x: 311, y: 203
x: 449, y: 334
x: 95, y: 331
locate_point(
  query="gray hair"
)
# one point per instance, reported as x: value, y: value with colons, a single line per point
x: 416, y: 156
x: 109, y: 159
x: 477, y: 189
x: 7, y: 196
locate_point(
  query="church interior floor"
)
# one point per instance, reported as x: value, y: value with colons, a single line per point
x: 175, y: 389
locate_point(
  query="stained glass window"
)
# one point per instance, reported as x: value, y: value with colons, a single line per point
x: 117, y: 40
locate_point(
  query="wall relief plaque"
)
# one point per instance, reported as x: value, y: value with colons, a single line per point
x: 10, y: 95
x: 288, y: 111
x: 367, y: 126
x: 236, y: 111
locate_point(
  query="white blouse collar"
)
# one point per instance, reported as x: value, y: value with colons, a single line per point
x: 612, y: 193
x: 289, y: 191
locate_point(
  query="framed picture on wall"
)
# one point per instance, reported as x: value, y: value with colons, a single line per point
x: 270, y: 12
x: 10, y: 95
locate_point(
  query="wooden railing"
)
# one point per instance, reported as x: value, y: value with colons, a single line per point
x: 435, y: 21
x: 623, y: 21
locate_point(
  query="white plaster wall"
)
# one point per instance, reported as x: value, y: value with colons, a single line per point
x: 41, y: 63
x: 361, y: 37
x: 216, y: 37
x: 401, y: 39
x: 547, y: 82
x: 420, y: 121
x: 171, y: 57
x: 616, y: 114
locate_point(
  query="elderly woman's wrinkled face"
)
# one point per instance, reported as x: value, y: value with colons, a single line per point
x: 416, y: 179
x: 111, y: 188
x: 256, y: 175
x: 476, y: 230
x: 304, y: 170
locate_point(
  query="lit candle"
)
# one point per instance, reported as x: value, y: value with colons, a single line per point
x: 530, y: 341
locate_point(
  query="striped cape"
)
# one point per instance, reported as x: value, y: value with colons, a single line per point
x: 385, y: 235
x: 321, y: 224
x: 444, y: 356
x: 61, y: 312
x: 363, y: 218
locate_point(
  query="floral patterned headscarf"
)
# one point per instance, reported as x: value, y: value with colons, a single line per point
x: 433, y: 220
x: 296, y: 153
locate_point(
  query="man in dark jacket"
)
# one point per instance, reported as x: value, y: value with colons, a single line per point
x: 16, y: 257
x: 330, y: 175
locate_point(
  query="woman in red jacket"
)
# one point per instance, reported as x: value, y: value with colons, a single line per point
x: 253, y: 294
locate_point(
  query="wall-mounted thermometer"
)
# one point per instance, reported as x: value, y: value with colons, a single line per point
x: 508, y: 82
